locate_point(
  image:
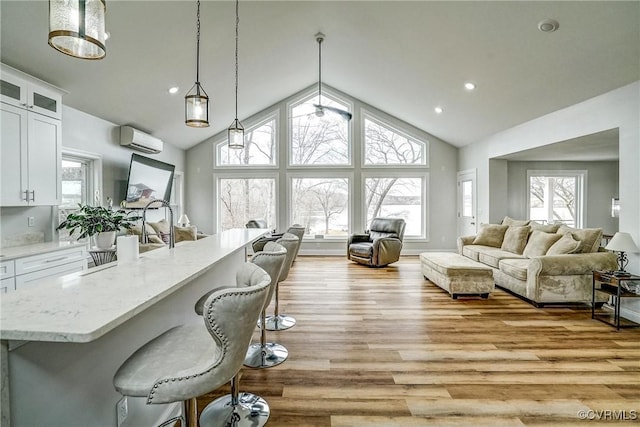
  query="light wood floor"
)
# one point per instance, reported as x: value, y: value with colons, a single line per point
x: 384, y: 347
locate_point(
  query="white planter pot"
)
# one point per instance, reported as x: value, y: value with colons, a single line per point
x: 105, y: 240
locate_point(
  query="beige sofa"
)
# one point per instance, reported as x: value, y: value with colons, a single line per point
x: 158, y: 234
x: 544, y: 264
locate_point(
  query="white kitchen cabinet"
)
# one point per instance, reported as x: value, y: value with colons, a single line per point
x: 31, y: 94
x: 30, y: 157
x: 19, y: 273
x: 31, y: 140
x: 7, y: 279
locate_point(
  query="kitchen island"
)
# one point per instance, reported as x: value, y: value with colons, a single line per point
x: 63, y: 339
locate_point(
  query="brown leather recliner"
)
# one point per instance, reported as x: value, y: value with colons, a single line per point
x: 380, y: 246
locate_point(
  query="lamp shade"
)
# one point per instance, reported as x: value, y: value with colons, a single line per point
x: 183, y: 221
x: 77, y: 27
x: 622, y: 242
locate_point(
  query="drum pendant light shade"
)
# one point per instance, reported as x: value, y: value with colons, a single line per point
x: 236, y: 130
x: 196, y: 102
x: 196, y: 107
x: 236, y: 134
x: 77, y: 27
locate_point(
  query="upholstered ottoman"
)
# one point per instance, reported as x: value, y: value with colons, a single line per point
x: 457, y: 274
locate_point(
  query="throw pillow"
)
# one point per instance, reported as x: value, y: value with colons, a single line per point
x: 565, y: 245
x: 547, y: 228
x: 515, y: 239
x: 162, y: 229
x: 185, y: 233
x: 517, y: 222
x: 539, y: 243
x: 490, y: 235
x: 151, y: 233
x: 588, y: 237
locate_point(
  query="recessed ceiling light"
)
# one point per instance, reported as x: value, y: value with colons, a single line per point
x: 438, y: 110
x: 173, y: 89
x: 469, y: 86
x: 548, y: 25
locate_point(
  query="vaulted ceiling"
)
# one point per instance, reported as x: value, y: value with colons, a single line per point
x: 404, y: 58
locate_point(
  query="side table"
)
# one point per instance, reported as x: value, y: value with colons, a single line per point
x: 615, y: 286
x: 103, y: 256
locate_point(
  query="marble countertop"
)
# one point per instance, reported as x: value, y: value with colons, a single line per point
x: 82, y: 307
x: 14, y: 252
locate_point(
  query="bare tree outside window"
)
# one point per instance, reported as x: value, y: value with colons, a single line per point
x: 554, y: 199
x: 321, y: 205
x: 242, y: 199
x: 386, y: 146
x: 318, y: 140
x: 259, y: 149
x: 399, y: 197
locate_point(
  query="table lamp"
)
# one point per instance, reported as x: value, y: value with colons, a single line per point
x: 183, y: 221
x: 622, y: 243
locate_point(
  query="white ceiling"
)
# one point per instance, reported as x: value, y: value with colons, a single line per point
x: 601, y: 146
x: 404, y: 58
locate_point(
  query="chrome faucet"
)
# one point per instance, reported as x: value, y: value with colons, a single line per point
x: 172, y: 237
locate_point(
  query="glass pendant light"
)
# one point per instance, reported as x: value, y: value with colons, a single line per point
x: 196, y: 102
x: 77, y: 27
x: 236, y: 130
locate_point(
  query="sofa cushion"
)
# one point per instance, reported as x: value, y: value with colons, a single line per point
x: 364, y: 249
x: 373, y: 235
x: 151, y: 233
x: 539, y: 243
x: 589, y: 237
x: 515, y: 239
x: 471, y: 251
x: 162, y: 229
x: 516, y: 268
x: 451, y: 264
x: 515, y: 222
x: 493, y: 256
x: 565, y: 245
x: 185, y: 233
x: 547, y: 228
x: 490, y: 235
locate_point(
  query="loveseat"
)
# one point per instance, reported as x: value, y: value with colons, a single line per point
x: 542, y: 263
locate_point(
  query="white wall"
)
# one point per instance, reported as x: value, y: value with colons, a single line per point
x: 441, y: 217
x: 88, y: 133
x: 602, y: 185
x: 619, y: 109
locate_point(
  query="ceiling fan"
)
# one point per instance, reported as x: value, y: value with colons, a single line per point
x: 321, y: 109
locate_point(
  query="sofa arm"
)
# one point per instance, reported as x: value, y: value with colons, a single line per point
x: 386, y: 250
x: 571, y: 264
x: 464, y: 240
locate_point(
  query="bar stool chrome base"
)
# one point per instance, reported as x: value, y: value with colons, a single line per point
x: 271, y: 354
x: 251, y: 411
x: 279, y: 322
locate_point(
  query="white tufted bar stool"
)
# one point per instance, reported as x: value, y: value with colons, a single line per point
x: 280, y: 322
x: 190, y: 360
x: 267, y: 354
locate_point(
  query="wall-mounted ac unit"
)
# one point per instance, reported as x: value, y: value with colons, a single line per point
x: 138, y: 140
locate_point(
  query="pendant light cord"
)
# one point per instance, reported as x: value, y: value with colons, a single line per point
x: 319, y: 71
x: 198, y: 47
x: 237, y: 23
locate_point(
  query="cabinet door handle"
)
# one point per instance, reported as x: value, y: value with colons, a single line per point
x: 26, y: 195
x: 33, y: 195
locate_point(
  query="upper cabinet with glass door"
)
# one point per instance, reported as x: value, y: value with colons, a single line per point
x: 32, y: 95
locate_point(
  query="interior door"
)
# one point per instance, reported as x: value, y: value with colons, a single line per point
x: 467, y: 223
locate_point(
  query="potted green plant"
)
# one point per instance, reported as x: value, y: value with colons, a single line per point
x: 98, y: 221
